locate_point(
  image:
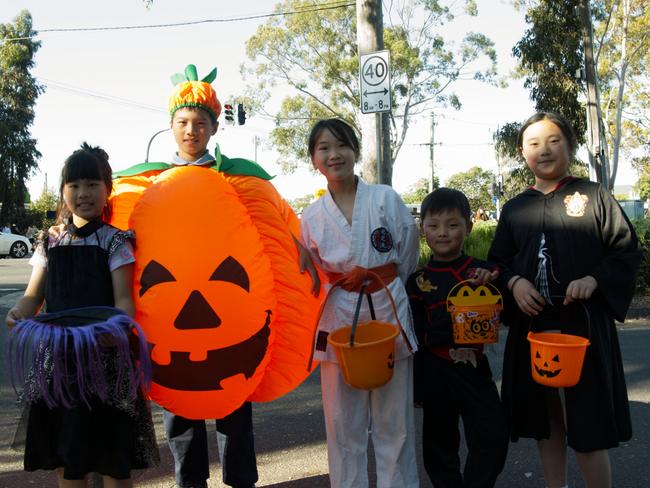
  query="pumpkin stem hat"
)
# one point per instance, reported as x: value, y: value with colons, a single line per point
x: 192, y: 92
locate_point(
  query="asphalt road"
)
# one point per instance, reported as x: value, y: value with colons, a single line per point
x: 290, y: 434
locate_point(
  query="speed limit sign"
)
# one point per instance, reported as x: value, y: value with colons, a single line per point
x: 374, y: 81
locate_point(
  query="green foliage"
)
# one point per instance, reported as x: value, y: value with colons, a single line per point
x: 301, y: 203
x: 38, y: 209
x: 622, y: 40
x: 642, y: 228
x: 642, y: 166
x: 477, y: 243
x: 479, y: 240
x: 315, y: 55
x: 18, y: 93
x: 476, y: 184
x: 549, y: 55
x: 419, y: 190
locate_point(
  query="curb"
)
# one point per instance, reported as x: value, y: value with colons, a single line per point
x: 10, y: 300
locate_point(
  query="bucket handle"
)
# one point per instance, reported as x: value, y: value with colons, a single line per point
x: 488, y: 285
x: 584, y: 307
x: 338, y: 283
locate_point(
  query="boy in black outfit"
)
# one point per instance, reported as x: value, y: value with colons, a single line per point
x: 453, y: 381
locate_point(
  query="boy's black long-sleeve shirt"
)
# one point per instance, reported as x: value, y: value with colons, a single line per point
x: 428, y: 288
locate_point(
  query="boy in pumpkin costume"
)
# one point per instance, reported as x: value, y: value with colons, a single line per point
x: 194, y: 109
x: 453, y: 381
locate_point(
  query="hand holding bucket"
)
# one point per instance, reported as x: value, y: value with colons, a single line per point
x: 474, y: 313
x: 365, y: 351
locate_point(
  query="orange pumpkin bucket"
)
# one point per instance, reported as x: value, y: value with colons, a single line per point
x: 556, y: 359
x: 365, y: 351
x: 366, y: 355
x: 475, y: 313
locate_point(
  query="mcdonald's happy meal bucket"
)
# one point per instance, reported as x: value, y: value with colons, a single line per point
x: 475, y: 313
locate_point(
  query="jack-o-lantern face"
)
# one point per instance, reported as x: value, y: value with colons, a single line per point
x: 207, y: 283
x: 547, y: 368
x: 182, y: 373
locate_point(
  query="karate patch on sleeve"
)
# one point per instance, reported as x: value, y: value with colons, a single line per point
x: 381, y: 239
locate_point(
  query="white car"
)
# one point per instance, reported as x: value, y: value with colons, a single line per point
x: 14, y: 245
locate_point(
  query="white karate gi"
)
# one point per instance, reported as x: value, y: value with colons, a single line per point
x: 382, y: 231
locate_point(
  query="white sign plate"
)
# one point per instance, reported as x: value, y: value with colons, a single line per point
x: 374, y: 81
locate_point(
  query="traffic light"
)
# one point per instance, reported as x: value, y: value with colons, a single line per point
x: 229, y: 114
x: 241, y: 114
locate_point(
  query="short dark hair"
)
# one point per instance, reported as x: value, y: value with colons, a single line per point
x: 445, y: 199
x: 341, y: 130
x: 87, y: 163
x: 557, y: 119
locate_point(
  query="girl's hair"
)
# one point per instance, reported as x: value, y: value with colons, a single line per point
x: 341, y: 130
x: 445, y: 200
x: 557, y: 119
x: 87, y: 163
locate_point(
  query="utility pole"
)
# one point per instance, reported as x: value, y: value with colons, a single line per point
x: 256, y: 141
x: 375, y: 128
x: 596, y: 141
x: 433, y: 173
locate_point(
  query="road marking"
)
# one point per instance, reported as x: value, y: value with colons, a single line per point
x: 10, y: 289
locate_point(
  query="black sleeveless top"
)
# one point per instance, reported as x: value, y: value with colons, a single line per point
x: 78, y: 276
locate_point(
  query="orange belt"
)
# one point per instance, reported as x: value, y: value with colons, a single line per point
x: 352, y: 280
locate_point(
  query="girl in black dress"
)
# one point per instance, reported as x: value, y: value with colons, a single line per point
x: 85, y: 407
x: 566, y: 252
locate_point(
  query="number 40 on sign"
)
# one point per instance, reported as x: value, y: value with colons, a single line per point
x: 374, y: 81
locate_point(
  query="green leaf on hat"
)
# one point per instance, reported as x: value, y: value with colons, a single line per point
x: 177, y: 78
x: 190, y: 73
x: 210, y: 77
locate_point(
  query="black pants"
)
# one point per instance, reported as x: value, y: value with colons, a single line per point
x: 459, y: 390
x: 189, y: 444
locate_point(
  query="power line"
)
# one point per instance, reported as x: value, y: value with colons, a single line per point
x: 101, y: 96
x: 307, y: 9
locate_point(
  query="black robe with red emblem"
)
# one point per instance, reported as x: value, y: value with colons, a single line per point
x: 585, y: 233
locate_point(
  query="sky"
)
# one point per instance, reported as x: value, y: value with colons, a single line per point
x: 110, y: 87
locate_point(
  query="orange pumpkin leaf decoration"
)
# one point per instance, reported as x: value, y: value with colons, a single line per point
x: 217, y: 287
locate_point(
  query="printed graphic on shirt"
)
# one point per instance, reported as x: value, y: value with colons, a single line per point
x: 424, y: 284
x: 381, y: 239
x: 576, y: 204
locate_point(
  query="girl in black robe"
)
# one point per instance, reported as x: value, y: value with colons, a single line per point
x: 562, y: 244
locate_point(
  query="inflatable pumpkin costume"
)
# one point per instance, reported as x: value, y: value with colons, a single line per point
x: 224, y: 307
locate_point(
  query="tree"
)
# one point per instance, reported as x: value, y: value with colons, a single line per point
x: 623, y: 59
x: 420, y: 189
x: 39, y: 209
x: 642, y: 166
x: 550, y: 57
x: 313, y: 52
x: 476, y: 184
x: 18, y: 93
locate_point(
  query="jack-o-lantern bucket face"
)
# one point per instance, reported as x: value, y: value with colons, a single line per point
x: 547, y: 367
x: 556, y: 359
x: 206, y: 290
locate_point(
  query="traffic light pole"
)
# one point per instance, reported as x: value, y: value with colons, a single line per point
x: 146, y: 159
